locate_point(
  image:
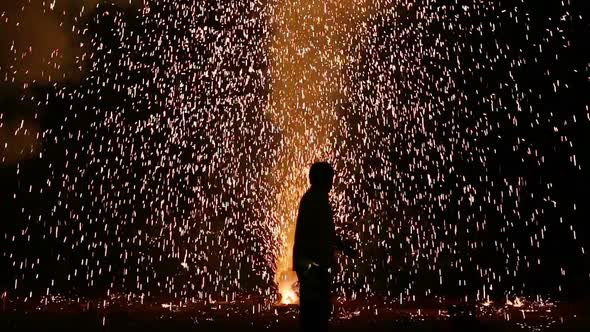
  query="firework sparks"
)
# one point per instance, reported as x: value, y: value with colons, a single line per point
x: 180, y: 134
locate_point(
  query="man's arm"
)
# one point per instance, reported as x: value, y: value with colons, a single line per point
x: 344, y: 246
x: 301, y: 261
x: 347, y: 247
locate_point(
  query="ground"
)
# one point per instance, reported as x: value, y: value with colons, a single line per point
x: 359, y: 316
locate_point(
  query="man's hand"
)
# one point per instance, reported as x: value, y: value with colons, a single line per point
x: 347, y: 248
x: 306, y: 264
x: 313, y: 266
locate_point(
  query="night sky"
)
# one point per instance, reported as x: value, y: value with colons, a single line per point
x: 161, y: 147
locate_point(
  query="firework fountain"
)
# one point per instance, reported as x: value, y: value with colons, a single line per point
x: 165, y: 153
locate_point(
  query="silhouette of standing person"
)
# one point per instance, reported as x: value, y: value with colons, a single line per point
x: 314, y: 249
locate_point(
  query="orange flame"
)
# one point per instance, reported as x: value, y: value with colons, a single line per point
x: 308, y: 54
x: 287, y: 284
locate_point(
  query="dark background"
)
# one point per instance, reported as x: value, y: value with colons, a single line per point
x: 72, y: 115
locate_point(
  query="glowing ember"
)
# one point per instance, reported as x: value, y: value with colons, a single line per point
x: 163, y: 141
x: 517, y: 303
x: 287, y: 285
x: 487, y: 303
x: 288, y: 295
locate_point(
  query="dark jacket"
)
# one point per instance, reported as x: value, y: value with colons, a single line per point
x: 315, y: 235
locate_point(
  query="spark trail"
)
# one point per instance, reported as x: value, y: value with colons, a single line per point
x: 171, y: 156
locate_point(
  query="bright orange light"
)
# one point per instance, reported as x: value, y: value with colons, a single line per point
x: 287, y: 284
x: 517, y: 302
x: 307, y: 55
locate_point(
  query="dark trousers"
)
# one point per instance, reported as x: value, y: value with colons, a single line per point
x: 315, y: 303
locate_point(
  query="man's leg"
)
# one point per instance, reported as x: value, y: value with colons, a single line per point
x: 312, y: 306
x: 304, y: 310
x: 325, y: 300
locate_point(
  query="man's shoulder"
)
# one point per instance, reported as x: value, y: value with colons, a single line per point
x: 313, y: 197
x: 311, y: 194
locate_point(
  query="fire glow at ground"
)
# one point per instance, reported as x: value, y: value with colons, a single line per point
x: 159, y: 148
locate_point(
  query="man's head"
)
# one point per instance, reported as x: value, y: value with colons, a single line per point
x: 321, y: 176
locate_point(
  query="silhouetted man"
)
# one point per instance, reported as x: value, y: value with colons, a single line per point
x: 314, y: 249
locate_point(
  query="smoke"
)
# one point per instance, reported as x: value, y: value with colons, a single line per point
x: 40, y: 41
x: 20, y: 140
x: 19, y: 130
x: 308, y: 53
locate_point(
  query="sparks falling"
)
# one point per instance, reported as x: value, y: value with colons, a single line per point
x: 166, y: 152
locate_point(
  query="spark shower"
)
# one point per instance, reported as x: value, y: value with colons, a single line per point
x: 159, y: 148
